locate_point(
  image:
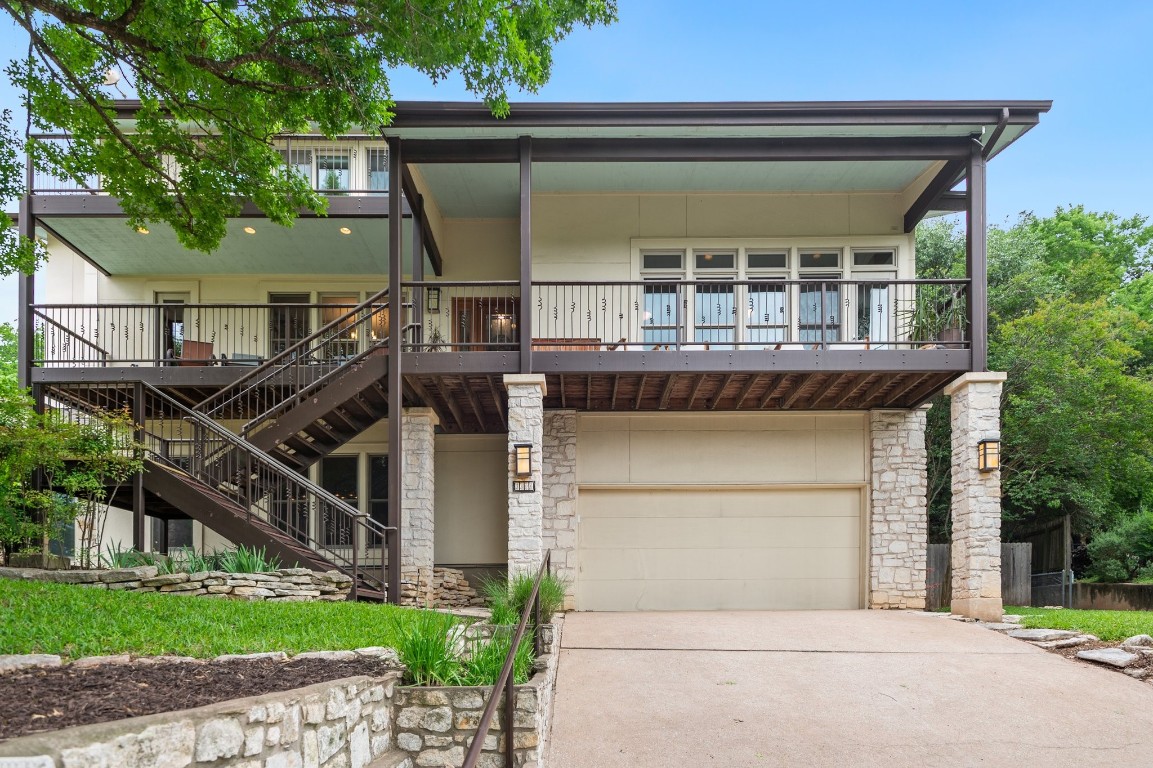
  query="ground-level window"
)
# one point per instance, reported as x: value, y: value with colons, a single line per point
x: 377, y: 492
x: 340, y: 476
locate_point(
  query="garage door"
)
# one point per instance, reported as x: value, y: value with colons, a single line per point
x: 668, y: 549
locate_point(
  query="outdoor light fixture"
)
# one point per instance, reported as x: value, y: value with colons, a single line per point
x: 989, y: 455
x: 142, y: 230
x: 345, y: 231
x: 522, y: 468
x: 250, y: 230
x: 432, y: 300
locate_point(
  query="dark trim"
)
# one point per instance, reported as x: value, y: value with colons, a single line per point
x: 415, y: 201
x: 976, y: 258
x: 991, y: 144
x: 690, y: 362
x: 75, y: 249
x: 811, y: 149
x: 25, y: 299
x: 395, y: 380
x: 941, y: 183
x: 106, y: 206
x: 525, y: 152
x: 954, y: 202
x: 426, y: 114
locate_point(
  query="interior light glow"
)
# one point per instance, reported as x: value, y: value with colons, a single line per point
x: 345, y: 231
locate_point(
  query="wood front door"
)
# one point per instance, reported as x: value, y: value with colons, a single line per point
x: 489, y: 323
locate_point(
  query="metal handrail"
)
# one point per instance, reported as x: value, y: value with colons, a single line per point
x: 505, y: 678
x: 290, y: 353
x: 254, y: 456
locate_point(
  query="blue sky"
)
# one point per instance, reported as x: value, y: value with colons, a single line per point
x: 1092, y: 60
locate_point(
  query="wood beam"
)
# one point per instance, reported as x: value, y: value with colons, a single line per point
x: 697, y: 382
x: 797, y: 389
x: 474, y: 402
x: 931, y: 388
x: 745, y: 390
x: 640, y: 392
x: 720, y: 391
x: 893, y: 397
x: 668, y: 392
x: 589, y: 392
x: 496, y: 399
x: 976, y: 241
x: 941, y: 183
x: 771, y: 389
x: 823, y: 390
x: 616, y: 385
x: 563, y: 400
x: 850, y: 389
x: 875, y: 390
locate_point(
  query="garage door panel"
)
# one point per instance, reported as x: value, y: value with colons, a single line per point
x: 722, y: 502
x: 721, y: 594
x: 674, y: 549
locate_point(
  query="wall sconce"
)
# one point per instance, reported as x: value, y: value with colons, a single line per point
x: 522, y: 468
x: 988, y: 455
x: 432, y: 300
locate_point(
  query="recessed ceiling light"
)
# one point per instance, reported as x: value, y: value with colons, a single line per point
x: 345, y: 231
x: 142, y: 230
x: 250, y: 230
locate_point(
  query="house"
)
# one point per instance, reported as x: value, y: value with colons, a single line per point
x: 682, y: 346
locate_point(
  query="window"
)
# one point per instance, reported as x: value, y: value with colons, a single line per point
x: 340, y: 476
x: 660, y: 318
x: 714, y: 304
x: 819, y: 319
x: 777, y: 260
x: 286, y: 324
x: 332, y: 171
x: 378, y: 169
x: 342, y: 337
x: 873, y: 258
x: 377, y: 493
x: 298, y: 161
x: 767, y: 316
x: 875, y: 269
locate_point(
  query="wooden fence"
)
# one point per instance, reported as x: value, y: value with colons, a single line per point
x: 1016, y: 575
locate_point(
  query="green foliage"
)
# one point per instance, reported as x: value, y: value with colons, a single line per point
x: 1123, y: 552
x: 218, y: 81
x: 427, y: 645
x: 482, y: 666
x: 1071, y: 321
x: 1110, y: 626
x: 507, y: 600
x: 245, y: 560
x: 77, y: 621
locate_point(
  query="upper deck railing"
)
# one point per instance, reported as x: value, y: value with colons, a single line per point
x: 571, y: 316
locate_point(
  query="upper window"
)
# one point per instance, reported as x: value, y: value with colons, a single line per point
x: 778, y: 260
x: 298, y: 161
x: 662, y: 261
x: 713, y: 260
x: 332, y: 171
x: 873, y: 258
x: 378, y: 169
x: 820, y: 259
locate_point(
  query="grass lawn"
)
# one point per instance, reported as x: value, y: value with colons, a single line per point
x: 1107, y: 625
x: 77, y: 621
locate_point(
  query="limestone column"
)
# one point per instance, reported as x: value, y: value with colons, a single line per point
x: 560, y: 495
x: 899, y: 525
x: 417, y: 533
x: 976, y: 509
x: 525, y: 508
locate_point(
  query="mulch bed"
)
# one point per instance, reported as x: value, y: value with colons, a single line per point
x: 48, y: 699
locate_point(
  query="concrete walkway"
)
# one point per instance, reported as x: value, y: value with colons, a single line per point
x: 832, y: 688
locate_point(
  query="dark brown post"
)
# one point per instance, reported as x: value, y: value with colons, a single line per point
x: 417, y: 208
x: 395, y: 386
x: 26, y: 291
x: 525, y: 321
x: 138, y: 535
x: 976, y: 263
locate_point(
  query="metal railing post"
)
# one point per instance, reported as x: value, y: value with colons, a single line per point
x: 824, y: 330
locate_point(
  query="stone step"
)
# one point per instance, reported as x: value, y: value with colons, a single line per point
x: 393, y: 758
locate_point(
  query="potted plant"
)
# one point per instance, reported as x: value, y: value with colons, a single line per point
x: 936, y: 315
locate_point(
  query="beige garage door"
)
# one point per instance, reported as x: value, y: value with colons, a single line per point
x: 667, y: 549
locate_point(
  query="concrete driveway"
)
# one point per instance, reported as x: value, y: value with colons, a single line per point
x: 832, y: 688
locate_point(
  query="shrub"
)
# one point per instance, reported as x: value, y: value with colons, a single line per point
x: 427, y: 646
x: 1123, y: 552
x: 482, y: 667
x: 507, y: 599
x: 245, y: 560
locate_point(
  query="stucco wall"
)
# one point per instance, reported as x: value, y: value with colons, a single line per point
x: 471, y: 499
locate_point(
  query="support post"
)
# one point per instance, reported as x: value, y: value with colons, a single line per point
x: 976, y: 259
x: 976, y: 505
x: 26, y: 290
x: 395, y: 381
x: 525, y: 504
x: 525, y: 320
x: 138, y: 533
x: 417, y: 208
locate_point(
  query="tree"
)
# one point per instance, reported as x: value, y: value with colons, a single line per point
x: 218, y: 80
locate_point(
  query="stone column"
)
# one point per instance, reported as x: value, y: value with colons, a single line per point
x: 976, y: 509
x: 560, y: 496
x: 525, y: 508
x: 418, y: 489
x: 898, y: 529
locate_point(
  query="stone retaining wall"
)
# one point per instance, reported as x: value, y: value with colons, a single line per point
x: 338, y: 724
x: 438, y: 588
x: 436, y: 725
x: 284, y: 585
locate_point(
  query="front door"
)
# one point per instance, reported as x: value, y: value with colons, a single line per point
x: 487, y: 323
x: 287, y: 320
x: 171, y: 324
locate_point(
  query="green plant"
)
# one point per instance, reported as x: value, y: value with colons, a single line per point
x: 935, y: 309
x: 1125, y: 551
x: 507, y: 599
x: 427, y: 646
x: 245, y: 560
x: 191, y: 561
x: 483, y: 664
x: 119, y: 556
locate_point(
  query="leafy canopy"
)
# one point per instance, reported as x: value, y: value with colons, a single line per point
x: 219, y: 79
